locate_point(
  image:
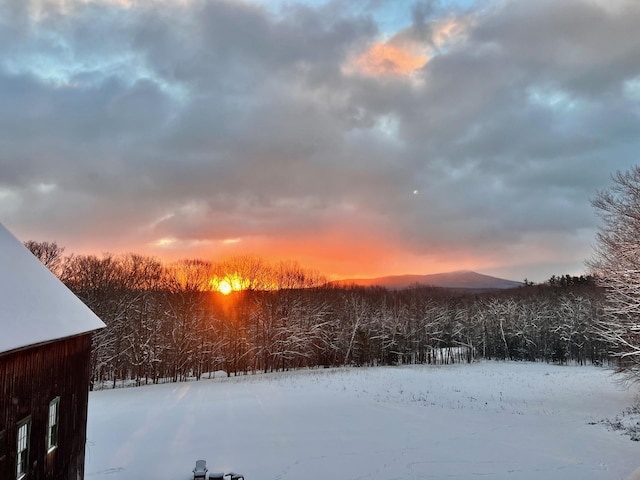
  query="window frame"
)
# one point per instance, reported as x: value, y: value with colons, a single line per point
x: 23, y: 438
x: 53, y: 422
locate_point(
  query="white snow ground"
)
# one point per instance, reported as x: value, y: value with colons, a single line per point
x: 488, y: 420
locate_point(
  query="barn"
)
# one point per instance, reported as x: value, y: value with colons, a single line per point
x: 45, y: 347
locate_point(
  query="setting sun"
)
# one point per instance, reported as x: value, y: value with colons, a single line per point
x: 228, y: 283
x: 225, y: 288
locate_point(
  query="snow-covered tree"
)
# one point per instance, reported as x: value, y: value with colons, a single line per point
x: 616, y: 263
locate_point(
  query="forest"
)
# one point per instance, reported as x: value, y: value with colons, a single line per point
x: 185, y: 319
x: 170, y: 322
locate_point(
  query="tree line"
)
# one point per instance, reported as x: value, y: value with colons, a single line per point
x: 171, y: 321
x: 168, y: 322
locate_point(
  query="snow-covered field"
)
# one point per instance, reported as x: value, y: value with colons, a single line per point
x: 484, y: 420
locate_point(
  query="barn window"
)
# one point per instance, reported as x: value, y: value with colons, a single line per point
x: 22, y: 459
x: 52, y: 424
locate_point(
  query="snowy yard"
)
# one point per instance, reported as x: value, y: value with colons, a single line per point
x: 485, y: 420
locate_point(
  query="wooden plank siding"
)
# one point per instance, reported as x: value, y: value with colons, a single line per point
x: 30, y: 379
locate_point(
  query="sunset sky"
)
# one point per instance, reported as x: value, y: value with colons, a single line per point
x: 361, y: 138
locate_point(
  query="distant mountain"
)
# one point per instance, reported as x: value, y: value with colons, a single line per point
x: 463, y: 279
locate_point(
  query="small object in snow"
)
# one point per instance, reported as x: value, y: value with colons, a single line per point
x: 235, y: 476
x: 201, y: 470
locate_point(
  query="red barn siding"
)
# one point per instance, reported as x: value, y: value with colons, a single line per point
x: 29, y: 379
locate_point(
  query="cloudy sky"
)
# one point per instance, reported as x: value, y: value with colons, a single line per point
x: 361, y: 137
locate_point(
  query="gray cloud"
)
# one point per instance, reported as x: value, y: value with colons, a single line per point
x: 211, y: 121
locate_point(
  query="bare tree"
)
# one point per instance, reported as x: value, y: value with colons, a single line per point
x: 187, y: 283
x: 616, y: 264
x: 97, y: 281
x: 49, y: 253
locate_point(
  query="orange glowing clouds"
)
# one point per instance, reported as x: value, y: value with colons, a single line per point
x: 387, y: 59
x: 406, y: 52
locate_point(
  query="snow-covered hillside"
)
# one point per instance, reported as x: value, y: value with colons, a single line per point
x: 486, y: 420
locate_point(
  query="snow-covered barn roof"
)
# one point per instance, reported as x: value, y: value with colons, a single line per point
x: 35, y: 307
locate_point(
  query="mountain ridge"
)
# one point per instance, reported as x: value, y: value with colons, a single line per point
x: 459, y: 279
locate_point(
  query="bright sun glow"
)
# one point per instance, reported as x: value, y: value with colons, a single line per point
x: 228, y: 283
x: 224, y: 287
